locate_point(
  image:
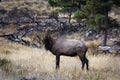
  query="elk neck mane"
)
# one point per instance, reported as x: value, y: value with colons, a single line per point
x: 49, y: 43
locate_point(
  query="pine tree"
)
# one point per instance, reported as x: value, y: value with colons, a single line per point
x: 67, y: 5
x: 95, y: 14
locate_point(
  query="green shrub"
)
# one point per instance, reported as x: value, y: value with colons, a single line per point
x: 4, y: 61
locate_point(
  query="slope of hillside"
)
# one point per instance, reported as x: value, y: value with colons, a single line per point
x: 39, y: 64
x: 115, y: 13
x: 33, y: 4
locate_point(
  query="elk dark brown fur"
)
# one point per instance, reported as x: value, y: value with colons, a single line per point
x: 66, y: 47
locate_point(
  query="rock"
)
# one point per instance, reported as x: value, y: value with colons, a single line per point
x: 28, y: 78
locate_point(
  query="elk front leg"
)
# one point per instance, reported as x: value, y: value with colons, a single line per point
x: 57, y: 61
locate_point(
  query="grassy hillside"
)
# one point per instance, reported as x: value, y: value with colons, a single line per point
x: 39, y: 5
x: 40, y: 64
x: 115, y: 13
x: 18, y: 61
x: 43, y: 6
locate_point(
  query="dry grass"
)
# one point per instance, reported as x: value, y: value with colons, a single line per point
x: 92, y: 46
x: 39, y: 5
x: 9, y: 29
x: 39, y: 63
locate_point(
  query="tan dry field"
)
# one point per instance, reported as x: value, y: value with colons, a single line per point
x: 40, y: 64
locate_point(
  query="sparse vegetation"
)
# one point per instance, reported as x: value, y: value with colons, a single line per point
x: 36, y: 5
x: 25, y: 62
x: 39, y: 63
x: 3, y: 62
x: 93, y: 45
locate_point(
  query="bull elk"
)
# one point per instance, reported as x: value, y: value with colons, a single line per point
x: 66, y: 47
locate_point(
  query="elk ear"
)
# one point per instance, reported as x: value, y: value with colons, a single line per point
x: 43, y: 33
x: 48, y: 32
